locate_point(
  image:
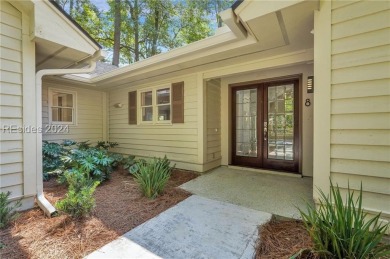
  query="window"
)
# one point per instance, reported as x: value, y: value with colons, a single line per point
x: 155, y: 105
x: 147, y: 106
x: 164, y: 104
x: 62, y: 107
x: 158, y: 105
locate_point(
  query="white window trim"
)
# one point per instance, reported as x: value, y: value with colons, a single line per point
x: 154, y: 105
x: 50, y: 106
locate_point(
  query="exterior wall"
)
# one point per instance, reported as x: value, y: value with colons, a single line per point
x: 306, y: 113
x: 213, y: 123
x: 179, y: 142
x: 91, y: 119
x: 360, y: 100
x: 11, y: 102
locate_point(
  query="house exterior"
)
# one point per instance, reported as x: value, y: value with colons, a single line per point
x: 295, y: 86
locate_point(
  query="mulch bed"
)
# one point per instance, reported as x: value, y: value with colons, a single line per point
x: 281, y: 238
x: 119, y: 208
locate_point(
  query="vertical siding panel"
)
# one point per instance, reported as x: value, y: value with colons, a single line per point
x: 360, y: 112
x: 11, y: 159
x: 213, y: 122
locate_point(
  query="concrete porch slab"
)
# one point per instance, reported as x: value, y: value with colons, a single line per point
x: 276, y: 194
x: 195, y: 228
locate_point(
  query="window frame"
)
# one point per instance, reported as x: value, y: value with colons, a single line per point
x: 154, y: 106
x: 51, y: 92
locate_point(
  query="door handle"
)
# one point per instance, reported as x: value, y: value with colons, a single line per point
x: 265, y: 130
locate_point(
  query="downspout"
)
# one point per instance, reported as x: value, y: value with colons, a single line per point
x: 43, y: 203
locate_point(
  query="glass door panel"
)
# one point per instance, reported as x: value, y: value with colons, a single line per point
x: 280, y: 122
x: 246, y: 123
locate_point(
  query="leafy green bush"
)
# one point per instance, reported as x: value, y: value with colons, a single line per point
x: 106, y: 145
x: 8, y: 211
x: 79, y: 200
x: 98, y: 161
x: 128, y: 162
x: 153, y: 176
x: 343, y: 230
x: 52, y: 163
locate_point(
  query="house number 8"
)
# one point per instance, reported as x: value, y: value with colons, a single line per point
x: 307, y: 103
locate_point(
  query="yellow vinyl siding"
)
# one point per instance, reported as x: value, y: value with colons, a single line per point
x: 178, y: 141
x: 89, y: 115
x: 11, y: 151
x: 360, y: 104
x: 213, y: 111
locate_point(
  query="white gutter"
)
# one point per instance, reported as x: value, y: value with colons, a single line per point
x: 43, y: 203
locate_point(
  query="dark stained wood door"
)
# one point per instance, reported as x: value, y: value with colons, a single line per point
x: 266, y: 125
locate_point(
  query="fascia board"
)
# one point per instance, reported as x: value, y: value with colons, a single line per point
x: 188, y: 51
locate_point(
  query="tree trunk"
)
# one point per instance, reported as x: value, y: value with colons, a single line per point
x: 117, y: 33
x: 134, y: 11
x: 136, y: 30
x: 156, y: 31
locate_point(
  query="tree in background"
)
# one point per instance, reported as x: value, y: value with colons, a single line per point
x: 132, y: 30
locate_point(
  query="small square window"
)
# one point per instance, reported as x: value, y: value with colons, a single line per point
x: 155, y: 105
x: 62, y: 107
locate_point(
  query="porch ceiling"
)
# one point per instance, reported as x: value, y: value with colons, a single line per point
x: 289, y: 26
x: 52, y: 55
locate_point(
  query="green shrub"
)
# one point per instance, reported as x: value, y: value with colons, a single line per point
x: 8, y: 211
x: 106, y: 145
x: 153, y: 176
x: 97, y: 161
x: 343, y: 230
x: 79, y: 200
x: 128, y: 162
x: 52, y: 163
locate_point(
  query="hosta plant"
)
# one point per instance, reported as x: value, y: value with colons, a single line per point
x: 153, y: 176
x: 340, y: 228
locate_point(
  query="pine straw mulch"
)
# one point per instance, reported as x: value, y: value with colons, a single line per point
x: 119, y: 208
x: 282, y: 238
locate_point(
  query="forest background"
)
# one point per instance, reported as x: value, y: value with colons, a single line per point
x: 133, y: 30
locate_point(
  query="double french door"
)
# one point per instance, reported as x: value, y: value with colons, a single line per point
x: 266, y: 125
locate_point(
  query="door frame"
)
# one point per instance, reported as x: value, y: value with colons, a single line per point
x: 297, y: 119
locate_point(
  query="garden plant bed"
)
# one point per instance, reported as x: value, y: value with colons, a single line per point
x: 120, y: 207
x: 282, y: 238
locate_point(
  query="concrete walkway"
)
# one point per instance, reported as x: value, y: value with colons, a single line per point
x: 276, y: 194
x: 195, y: 228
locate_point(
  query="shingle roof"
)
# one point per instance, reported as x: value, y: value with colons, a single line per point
x: 102, y: 68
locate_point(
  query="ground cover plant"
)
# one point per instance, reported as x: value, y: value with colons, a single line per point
x: 342, y: 229
x: 8, y: 209
x: 120, y: 207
